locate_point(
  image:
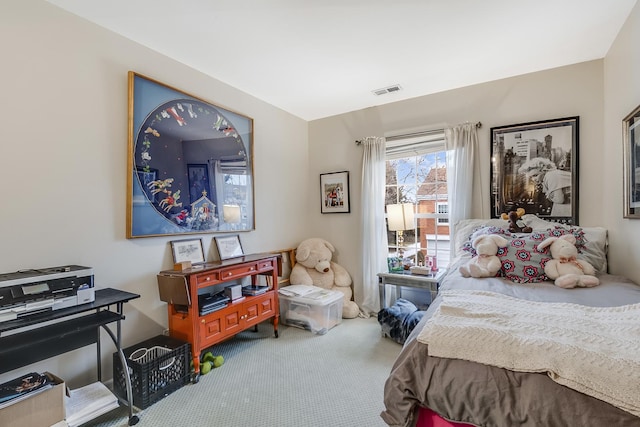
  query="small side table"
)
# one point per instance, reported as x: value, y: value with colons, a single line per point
x: 430, y: 282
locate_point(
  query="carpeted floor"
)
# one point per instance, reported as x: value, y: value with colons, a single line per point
x: 297, y: 380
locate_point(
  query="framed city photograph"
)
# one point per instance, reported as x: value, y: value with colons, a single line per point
x: 334, y: 192
x: 631, y: 149
x: 228, y: 246
x: 534, y: 166
x: 187, y: 250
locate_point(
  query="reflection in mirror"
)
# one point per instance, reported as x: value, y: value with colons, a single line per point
x: 192, y: 163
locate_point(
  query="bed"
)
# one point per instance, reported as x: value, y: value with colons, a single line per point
x: 458, y: 382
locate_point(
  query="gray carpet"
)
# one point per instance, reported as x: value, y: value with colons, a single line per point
x: 298, y: 380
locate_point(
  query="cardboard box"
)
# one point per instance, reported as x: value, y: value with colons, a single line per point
x: 42, y: 409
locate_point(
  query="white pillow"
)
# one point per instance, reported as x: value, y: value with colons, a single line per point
x: 596, y: 248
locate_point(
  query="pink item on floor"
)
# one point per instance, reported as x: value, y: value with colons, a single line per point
x: 428, y: 418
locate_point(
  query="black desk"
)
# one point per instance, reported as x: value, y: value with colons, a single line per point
x: 50, y: 335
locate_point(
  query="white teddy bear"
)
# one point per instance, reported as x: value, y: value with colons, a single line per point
x: 565, y: 269
x: 485, y: 263
x: 314, y: 267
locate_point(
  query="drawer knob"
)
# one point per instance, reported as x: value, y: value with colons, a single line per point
x: 202, y: 320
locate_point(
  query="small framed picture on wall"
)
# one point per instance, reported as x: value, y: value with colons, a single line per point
x: 334, y: 192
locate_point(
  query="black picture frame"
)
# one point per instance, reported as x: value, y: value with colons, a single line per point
x: 534, y: 166
x: 631, y: 150
x: 187, y: 250
x: 334, y: 192
x: 228, y: 246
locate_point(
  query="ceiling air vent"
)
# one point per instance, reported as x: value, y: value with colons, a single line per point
x: 389, y: 89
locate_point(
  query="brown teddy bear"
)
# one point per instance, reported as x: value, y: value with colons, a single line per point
x: 314, y: 267
x: 513, y: 217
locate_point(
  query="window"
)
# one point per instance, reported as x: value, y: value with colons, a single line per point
x: 442, y: 208
x: 416, y: 173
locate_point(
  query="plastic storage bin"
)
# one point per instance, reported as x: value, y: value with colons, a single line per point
x: 158, y: 367
x: 318, y: 311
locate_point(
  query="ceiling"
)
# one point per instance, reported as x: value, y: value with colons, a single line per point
x: 316, y: 59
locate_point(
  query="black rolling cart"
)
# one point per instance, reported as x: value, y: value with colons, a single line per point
x: 60, y: 335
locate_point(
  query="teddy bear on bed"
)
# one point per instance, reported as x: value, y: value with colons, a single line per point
x: 485, y: 263
x: 565, y: 268
x: 314, y: 267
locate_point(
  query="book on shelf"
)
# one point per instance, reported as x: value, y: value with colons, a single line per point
x: 88, y: 402
x: 210, y: 309
x: 254, y: 290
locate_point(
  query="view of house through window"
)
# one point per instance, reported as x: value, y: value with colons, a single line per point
x: 416, y: 173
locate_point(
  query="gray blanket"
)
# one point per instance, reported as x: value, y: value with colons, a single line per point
x: 488, y: 396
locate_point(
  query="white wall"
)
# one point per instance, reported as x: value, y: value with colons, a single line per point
x: 622, y: 95
x: 575, y: 90
x: 64, y: 156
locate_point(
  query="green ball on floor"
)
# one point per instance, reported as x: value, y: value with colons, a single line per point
x: 218, y: 361
x: 205, y: 368
x: 208, y: 357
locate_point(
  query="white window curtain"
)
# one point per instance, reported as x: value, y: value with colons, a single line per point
x: 374, y: 233
x: 461, y: 143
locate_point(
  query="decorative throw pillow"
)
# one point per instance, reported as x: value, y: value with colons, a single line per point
x: 595, y: 247
x: 521, y: 260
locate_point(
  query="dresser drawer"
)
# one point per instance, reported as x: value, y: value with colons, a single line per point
x: 238, y: 271
x: 208, y: 278
x: 265, y: 265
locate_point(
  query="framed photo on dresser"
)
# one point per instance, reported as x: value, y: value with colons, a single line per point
x: 229, y: 246
x: 187, y: 250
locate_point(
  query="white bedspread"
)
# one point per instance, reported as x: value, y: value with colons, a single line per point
x: 594, y: 350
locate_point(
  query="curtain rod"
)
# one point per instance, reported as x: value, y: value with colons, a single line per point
x: 415, y: 134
